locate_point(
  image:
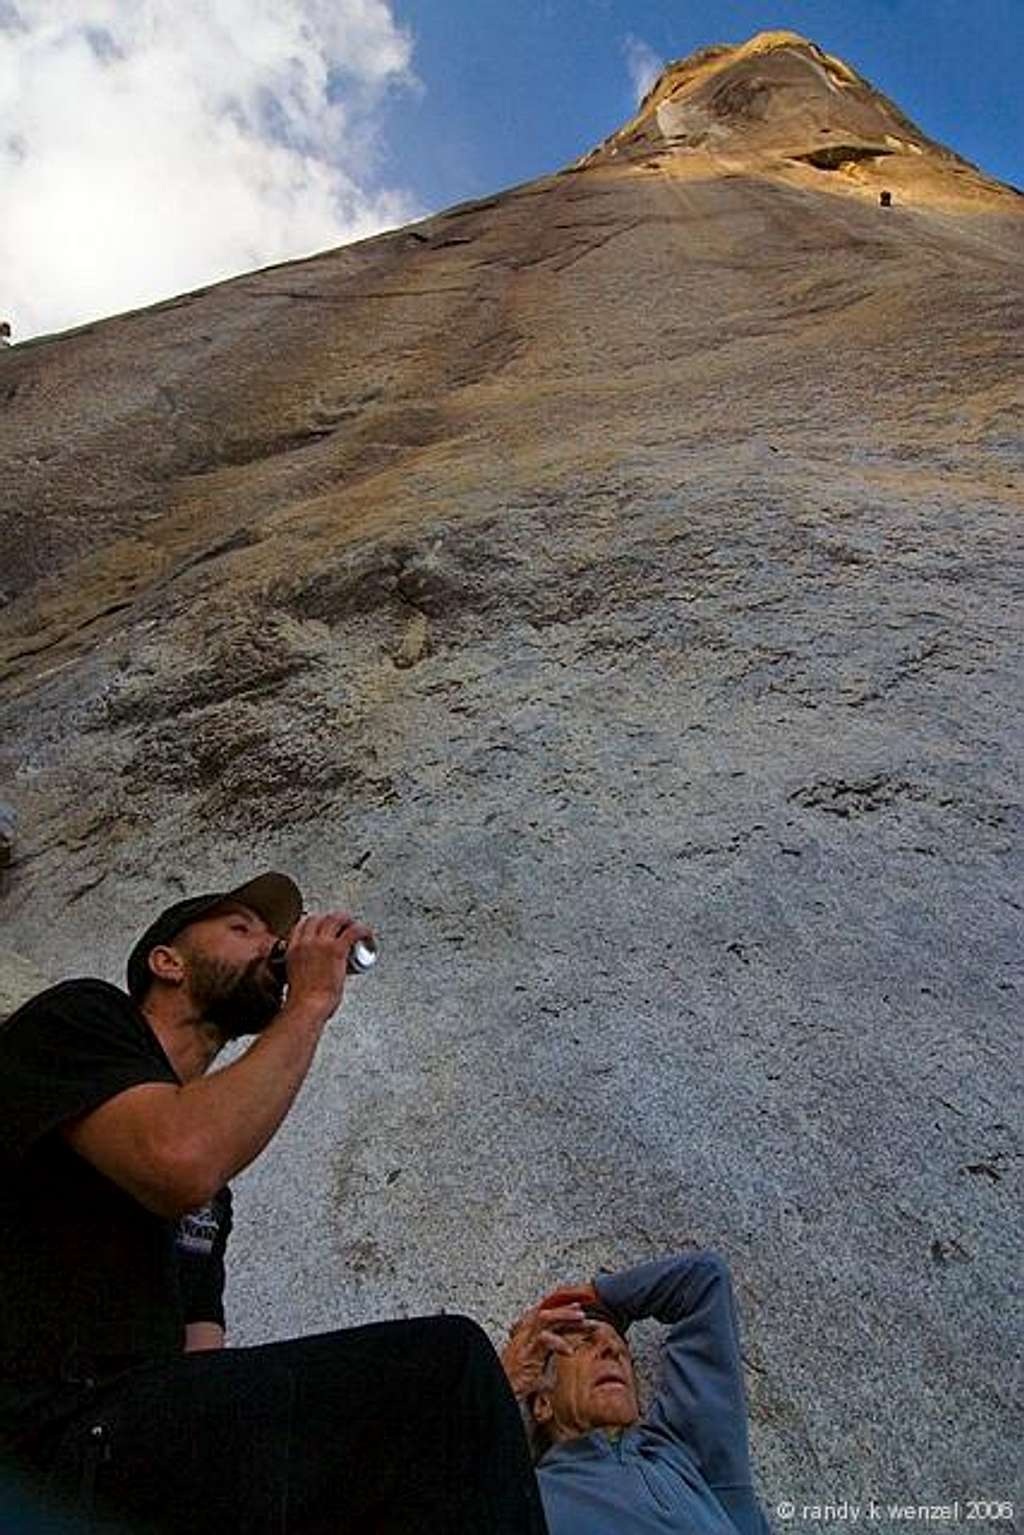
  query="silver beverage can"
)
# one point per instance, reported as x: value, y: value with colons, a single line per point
x: 362, y: 956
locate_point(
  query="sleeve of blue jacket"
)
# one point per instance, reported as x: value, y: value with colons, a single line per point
x: 700, y: 1398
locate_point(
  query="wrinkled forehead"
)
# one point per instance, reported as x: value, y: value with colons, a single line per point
x: 596, y: 1333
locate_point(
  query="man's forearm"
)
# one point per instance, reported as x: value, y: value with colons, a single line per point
x: 201, y: 1337
x: 665, y: 1288
x: 225, y: 1119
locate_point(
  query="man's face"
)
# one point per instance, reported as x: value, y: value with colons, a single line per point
x: 227, y: 971
x: 592, y: 1387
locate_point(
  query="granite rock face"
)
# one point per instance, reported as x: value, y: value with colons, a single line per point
x: 18, y: 982
x: 611, y: 589
x: 8, y: 831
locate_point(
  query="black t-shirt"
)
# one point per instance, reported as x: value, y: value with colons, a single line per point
x: 89, y: 1278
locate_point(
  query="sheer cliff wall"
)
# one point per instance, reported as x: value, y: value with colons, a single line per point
x: 612, y: 591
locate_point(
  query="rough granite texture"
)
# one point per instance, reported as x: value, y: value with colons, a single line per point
x: 611, y: 590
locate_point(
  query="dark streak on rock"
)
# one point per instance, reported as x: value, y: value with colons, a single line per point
x: 950, y: 1251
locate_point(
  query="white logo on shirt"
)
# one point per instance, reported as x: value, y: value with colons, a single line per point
x: 197, y: 1231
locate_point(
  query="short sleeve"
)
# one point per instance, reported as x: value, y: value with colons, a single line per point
x: 201, y: 1242
x: 66, y: 1052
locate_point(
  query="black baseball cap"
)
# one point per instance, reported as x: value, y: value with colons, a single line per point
x: 274, y: 897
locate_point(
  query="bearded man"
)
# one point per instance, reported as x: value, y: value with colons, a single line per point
x: 117, y: 1145
x: 605, y: 1469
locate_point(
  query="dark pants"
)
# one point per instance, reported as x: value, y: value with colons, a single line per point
x: 401, y: 1427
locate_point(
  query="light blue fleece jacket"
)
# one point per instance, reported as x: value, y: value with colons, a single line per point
x: 685, y: 1467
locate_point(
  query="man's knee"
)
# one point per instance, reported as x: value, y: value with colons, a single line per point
x: 461, y: 1332
x: 462, y: 1342
x: 416, y: 1342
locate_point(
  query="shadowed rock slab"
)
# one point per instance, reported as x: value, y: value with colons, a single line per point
x: 18, y: 981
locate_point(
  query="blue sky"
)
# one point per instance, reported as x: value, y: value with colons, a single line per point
x: 512, y: 91
x: 152, y: 146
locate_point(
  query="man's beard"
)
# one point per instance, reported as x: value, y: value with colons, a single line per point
x: 236, y: 1001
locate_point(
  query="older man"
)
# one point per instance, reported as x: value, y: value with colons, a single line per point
x: 603, y: 1468
x: 117, y: 1144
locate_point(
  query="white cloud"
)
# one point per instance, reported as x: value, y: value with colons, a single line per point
x: 643, y: 63
x: 151, y: 146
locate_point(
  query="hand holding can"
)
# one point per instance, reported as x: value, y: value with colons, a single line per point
x: 321, y: 952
